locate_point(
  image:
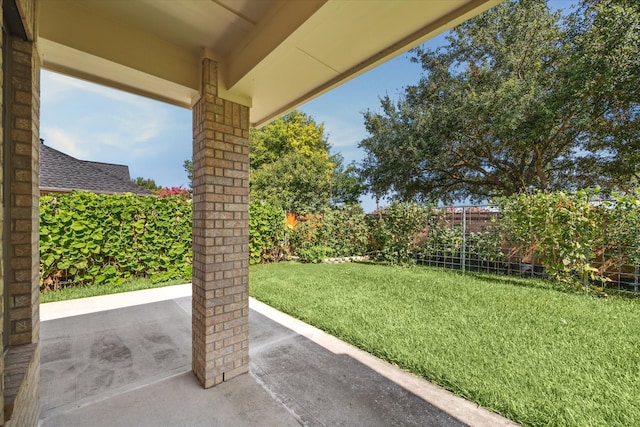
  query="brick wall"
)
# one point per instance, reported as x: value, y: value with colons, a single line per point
x: 24, y: 193
x: 220, y: 322
x: 20, y: 158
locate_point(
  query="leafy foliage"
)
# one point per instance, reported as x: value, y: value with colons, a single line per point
x: 345, y: 230
x: 443, y: 244
x: 623, y: 226
x: 88, y: 238
x: 484, y: 246
x: 338, y: 232
x: 295, y: 182
x: 188, y: 168
x: 605, y: 68
x: 266, y: 233
x: 564, y: 230
x: 396, y: 232
x: 174, y: 191
x: 295, y: 132
x: 347, y: 187
x: 291, y: 166
x: 519, y: 99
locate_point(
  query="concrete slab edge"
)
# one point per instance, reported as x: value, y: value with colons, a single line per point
x: 463, y: 410
x: 76, y: 307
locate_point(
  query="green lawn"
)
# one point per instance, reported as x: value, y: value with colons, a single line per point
x: 536, y: 354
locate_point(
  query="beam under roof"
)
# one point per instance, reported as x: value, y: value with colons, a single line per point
x: 273, y: 55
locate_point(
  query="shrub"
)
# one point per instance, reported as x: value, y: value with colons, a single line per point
x: 345, y: 231
x: 314, y: 253
x: 623, y: 226
x: 396, y: 232
x: 562, y: 229
x: 338, y: 232
x: 88, y: 238
x: 305, y: 235
x: 266, y: 233
x: 442, y: 243
x: 439, y: 241
x: 173, y: 191
x: 484, y: 246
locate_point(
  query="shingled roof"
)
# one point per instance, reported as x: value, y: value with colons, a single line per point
x: 62, y: 173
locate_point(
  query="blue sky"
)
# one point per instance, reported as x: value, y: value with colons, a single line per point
x: 93, y: 122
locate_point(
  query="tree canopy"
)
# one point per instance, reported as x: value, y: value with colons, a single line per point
x: 605, y: 66
x: 147, y: 183
x: 519, y: 98
x: 291, y: 166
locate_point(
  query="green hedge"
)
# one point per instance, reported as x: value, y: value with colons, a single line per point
x: 93, y: 239
x: 575, y: 235
x: 337, y: 232
x: 396, y: 231
x: 87, y: 238
x: 267, y: 241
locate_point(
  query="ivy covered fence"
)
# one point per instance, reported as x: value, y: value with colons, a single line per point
x: 92, y: 239
x: 574, y: 237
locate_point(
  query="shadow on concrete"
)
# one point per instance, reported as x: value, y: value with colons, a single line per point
x: 132, y: 367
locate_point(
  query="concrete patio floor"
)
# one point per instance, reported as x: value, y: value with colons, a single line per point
x: 125, y: 360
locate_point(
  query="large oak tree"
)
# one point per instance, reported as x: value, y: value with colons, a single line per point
x: 520, y: 98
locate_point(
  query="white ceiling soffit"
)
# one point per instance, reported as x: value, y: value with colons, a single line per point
x: 273, y: 55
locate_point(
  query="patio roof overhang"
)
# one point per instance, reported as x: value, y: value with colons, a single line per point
x: 272, y: 55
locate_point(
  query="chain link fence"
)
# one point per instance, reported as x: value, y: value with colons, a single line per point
x: 471, y: 239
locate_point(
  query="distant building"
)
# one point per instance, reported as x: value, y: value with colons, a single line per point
x: 61, y: 173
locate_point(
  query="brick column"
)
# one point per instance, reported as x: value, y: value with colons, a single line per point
x: 21, y: 242
x: 220, y: 234
x: 19, y: 274
x: 24, y: 194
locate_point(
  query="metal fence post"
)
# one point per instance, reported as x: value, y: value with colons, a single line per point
x: 464, y: 239
x: 498, y: 253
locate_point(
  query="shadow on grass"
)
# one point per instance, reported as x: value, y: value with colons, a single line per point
x: 552, y: 285
x: 533, y: 283
x: 541, y: 283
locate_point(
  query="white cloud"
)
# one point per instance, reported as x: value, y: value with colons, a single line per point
x: 343, y: 135
x: 142, y: 122
x: 96, y: 123
x: 60, y: 85
x: 65, y: 142
x: 106, y: 121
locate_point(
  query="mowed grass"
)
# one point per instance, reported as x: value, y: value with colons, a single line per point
x: 537, y: 355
